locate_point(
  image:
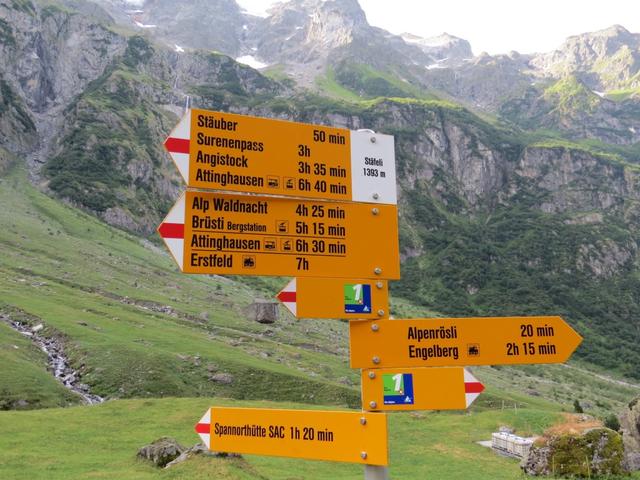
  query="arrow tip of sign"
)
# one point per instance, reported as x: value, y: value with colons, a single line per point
x: 171, y: 230
x: 472, y: 387
x: 203, y: 428
x: 572, y: 338
x: 288, y: 297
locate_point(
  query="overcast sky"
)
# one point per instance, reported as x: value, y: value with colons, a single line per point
x: 495, y: 26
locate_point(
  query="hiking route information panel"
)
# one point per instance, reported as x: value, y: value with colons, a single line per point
x: 240, y: 153
x: 448, y: 342
x: 339, y: 436
x: 215, y: 233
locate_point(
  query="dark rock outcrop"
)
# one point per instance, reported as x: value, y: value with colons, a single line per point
x: 262, y: 312
x: 161, y: 452
x: 596, y: 452
x: 630, y: 428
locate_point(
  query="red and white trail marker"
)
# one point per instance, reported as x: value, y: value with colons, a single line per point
x: 172, y: 231
x: 472, y: 387
x: 288, y: 297
x: 178, y: 144
x: 203, y: 428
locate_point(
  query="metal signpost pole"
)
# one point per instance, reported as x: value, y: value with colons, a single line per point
x: 373, y: 472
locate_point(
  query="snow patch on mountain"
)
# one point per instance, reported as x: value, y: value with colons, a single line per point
x: 251, y: 61
x: 435, y: 66
x: 252, y: 7
x: 142, y: 25
x: 438, y: 41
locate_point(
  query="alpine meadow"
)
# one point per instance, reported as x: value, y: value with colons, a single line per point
x: 518, y: 195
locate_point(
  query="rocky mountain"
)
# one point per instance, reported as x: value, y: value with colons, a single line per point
x: 329, y: 46
x: 305, y: 31
x: 605, y: 60
x: 70, y: 81
x: 312, y: 29
x: 212, y: 25
x: 305, y: 38
x: 508, y: 205
x: 445, y: 48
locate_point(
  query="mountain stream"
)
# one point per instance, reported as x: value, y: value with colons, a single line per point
x: 57, y: 360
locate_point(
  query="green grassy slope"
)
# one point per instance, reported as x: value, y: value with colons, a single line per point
x: 135, y: 326
x: 101, y: 442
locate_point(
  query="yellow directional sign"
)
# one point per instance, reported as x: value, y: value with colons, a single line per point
x: 240, y: 153
x: 215, y: 233
x: 461, y: 341
x: 406, y: 388
x: 336, y: 298
x: 322, y: 435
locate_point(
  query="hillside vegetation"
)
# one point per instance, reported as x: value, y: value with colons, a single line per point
x: 135, y: 326
x: 494, y: 220
x: 519, y: 194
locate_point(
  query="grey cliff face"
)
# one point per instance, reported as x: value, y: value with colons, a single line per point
x: 55, y: 54
x: 51, y: 57
x: 302, y: 31
x: 483, y: 82
x: 578, y: 181
x: 205, y: 24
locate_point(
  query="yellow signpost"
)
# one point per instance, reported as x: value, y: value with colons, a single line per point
x: 215, y: 233
x: 307, y: 297
x: 437, y: 342
x: 451, y: 388
x: 340, y: 243
x: 240, y: 153
x: 314, y: 434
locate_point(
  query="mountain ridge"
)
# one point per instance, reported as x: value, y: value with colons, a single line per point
x: 329, y: 47
x: 496, y: 218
